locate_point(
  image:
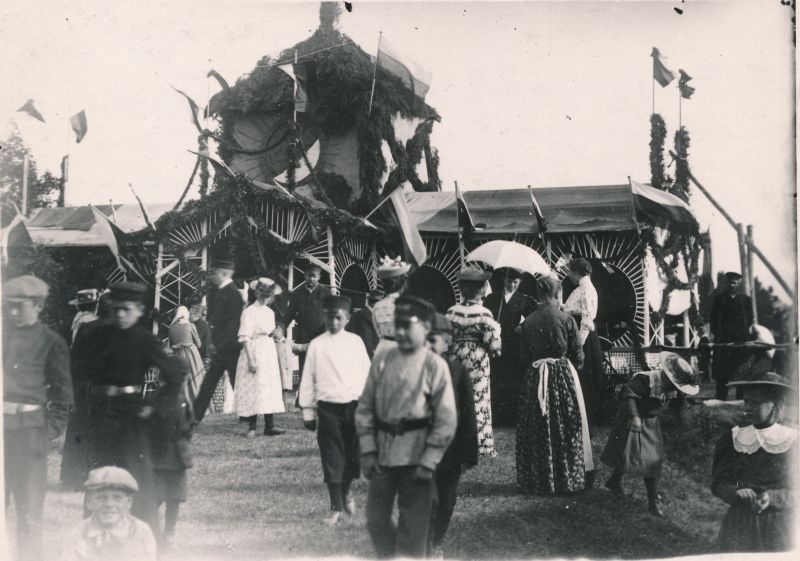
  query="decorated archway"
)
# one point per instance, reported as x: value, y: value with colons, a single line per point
x: 430, y: 283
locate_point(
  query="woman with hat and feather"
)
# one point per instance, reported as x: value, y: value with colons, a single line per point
x: 476, y: 338
x: 752, y: 470
x: 259, y: 390
x: 636, y: 443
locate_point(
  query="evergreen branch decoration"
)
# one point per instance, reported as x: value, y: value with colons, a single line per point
x: 658, y: 134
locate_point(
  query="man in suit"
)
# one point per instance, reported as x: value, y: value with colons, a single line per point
x: 509, y: 308
x: 731, y: 322
x: 225, y: 304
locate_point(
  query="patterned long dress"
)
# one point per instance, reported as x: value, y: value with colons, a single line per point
x: 553, y: 449
x: 476, y: 337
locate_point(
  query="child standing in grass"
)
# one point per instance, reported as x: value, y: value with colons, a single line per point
x: 406, y: 418
x: 334, y: 373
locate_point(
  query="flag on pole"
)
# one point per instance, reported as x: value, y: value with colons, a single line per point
x: 65, y: 168
x: 31, y: 110
x: 538, y: 212
x: 194, y: 108
x: 395, y: 213
x: 223, y: 83
x: 686, y: 89
x: 145, y: 214
x: 215, y: 163
x: 109, y: 232
x: 13, y: 234
x: 414, y: 77
x: 298, y: 74
x: 657, y: 205
x: 78, y: 123
x: 661, y: 73
x: 464, y: 217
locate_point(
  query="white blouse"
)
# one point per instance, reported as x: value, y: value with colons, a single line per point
x: 583, y: 302
x: 258, y: 320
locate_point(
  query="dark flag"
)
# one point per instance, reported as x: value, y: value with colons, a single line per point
x: 194, y: 108
x: 464, y: 218
x: 31, y: 110
x: 78, y: 124
x: 661, y: 73
x: 222, y: 82
x: 538, y: 212
x: 686, y: 89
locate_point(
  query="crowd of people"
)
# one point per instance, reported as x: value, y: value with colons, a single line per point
x: 396, y: 391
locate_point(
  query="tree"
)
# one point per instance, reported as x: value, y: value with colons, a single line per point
x: 772, y: 313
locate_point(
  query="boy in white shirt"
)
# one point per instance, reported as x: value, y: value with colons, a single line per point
x: 334, y: 374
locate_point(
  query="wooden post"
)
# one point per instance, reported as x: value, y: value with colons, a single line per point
x: 25, y: 173
x: 331, y: 261
x: 751, y: 274
x: 743, y: 259
x: 157, y: 289
x: 646, y: 310
x: 687, y: 331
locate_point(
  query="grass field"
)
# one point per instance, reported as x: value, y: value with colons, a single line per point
x: 264, y: 498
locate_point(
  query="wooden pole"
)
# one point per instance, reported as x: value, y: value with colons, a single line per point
x: 157, y: 290
x: 461, y: 249
x: 25, y: 172
x: 743, y: 258
x: 374, y: 74
x: 646, y: 310
x: 751, y: 274
x: 331, y: 261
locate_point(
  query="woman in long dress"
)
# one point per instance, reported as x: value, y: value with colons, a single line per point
x: 752, y: 471
x: 258, y: 376
x: 553, y: 446
x: 185, y: 343
x: 476, y: 337
x: 582, y: 305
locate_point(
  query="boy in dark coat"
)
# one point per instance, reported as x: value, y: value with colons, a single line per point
x: 37, y: 395
x: 463, y: 450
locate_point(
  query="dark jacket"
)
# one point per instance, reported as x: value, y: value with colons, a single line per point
x: 362, y: 325
x: 171, y: 428
x: 731, y: 318
x: 305, y: 308
x: 463, y: 449
x: 225, y: 307
x: 36, y: 371
x: 550, y: 333
x: 206, y: 342
x: 509, y: 315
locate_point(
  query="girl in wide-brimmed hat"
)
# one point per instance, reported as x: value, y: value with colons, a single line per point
x: 636, y: 444
x: 752, y: 470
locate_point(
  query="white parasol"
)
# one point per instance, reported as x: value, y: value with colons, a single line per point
x: 501, y: 253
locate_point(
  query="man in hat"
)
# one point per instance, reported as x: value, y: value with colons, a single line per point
x: 86, y: 303
x: 731, y: 322
x: 110, y: 532
x: 334, y: 374
x: 393, y: 274
x: 305, y: 309
x: 406, y: 418
x: 509, y: 308
x: 225, y: 307
x: 37, y: 395
x: 114, y: 357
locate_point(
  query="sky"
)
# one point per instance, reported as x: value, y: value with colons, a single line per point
x: 539, y: 93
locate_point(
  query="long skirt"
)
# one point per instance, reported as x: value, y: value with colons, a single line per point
x: 260, y: 392
x: 550, y: 448
x: 475, y: 360
x: 743, y: 530
x: 635, y: 453
x: 593, y: 380
x: 191, y: 356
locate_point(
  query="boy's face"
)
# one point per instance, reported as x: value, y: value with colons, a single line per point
x: 439, y: 342
x: 410, y: 333
x: 124, y: 315
x: 109, y: 506
x: 23, y: 313
x: 336, y: 320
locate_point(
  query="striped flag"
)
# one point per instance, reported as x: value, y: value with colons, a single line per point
x: 31, y: 110
x: 298, y: 74
x: 659, y: 206
x: 661, y: 73
x: 395, y: 212
x: 414, y: 77
x: 78, y: 124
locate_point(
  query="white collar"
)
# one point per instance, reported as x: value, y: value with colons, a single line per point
x: 224, y: 283
x: 775, y: 439
x: 585, y: 281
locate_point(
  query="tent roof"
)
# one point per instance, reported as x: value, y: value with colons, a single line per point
x: 566, y: 209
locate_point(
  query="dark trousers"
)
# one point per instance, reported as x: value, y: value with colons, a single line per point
x: 414, y: 499
x: 338, y: 441
x: 446, y: 493
x: 25, y: 460
x: 269, y: 421
x: 222, y: 362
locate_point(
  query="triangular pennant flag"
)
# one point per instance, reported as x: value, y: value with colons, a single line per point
x: 194, y: 108
x: 31, y: 110
x: 686, y: 89
x: 78, y: 123
x: 414, y: 77
x: 661, y: 73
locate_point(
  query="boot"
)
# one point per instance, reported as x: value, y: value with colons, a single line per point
x: 614, y: 484
x: 269, y: 427
x: 653, y: 498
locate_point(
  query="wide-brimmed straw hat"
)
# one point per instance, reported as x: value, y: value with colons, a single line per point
x: 679, y: 372
x: 263, y: 285
x: 766, y: 380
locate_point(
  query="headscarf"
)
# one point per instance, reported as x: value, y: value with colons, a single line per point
x: 181, y: 315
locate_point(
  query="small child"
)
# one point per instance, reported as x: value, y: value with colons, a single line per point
x: 406, y: 418
x: 110, y: 532
x: 334, y: 373
x: 463, y: 450
x: 636, y: 444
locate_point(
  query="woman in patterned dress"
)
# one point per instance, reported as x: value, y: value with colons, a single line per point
x: 553, y: 446
x: 258, y: 388
x: 185, y: 343
x: 476, y: 337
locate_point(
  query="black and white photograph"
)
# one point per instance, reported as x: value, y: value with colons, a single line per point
x: 372, y: 280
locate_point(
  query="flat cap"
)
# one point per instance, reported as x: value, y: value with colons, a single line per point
x: 127, y: 292
x: 111, y: 477
x: 26, y: 287
x: 732, y: 276
x: 412, y: 307
x: 333, y: 302
x: 473, y: 275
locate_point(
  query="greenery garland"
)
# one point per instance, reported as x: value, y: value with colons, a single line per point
x: 680, y: 188
x: 658, y: 134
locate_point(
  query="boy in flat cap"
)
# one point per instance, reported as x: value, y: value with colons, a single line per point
x: 225, y: 307
x: 406, y: 418
x: 110, y: 532
x: 114, y: 357
x: 731, y: 322
x: 334, y: 374
x: 37, y: 395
